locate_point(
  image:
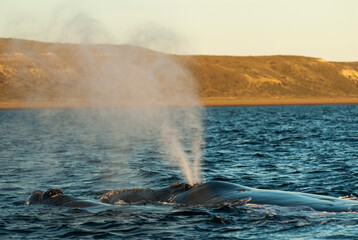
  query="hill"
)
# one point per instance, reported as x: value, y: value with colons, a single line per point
x: 37, y: 74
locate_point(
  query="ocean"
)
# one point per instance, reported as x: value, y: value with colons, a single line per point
x: 83, y: 152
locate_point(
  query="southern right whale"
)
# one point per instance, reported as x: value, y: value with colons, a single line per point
x: 217, y: 191
x: 214, y: 193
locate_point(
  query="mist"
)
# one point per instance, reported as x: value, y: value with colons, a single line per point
x: 139, y: 94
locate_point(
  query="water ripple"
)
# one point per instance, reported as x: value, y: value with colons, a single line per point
x: 293, y: 148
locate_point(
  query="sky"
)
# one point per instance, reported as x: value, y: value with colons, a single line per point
x: 326, y: 29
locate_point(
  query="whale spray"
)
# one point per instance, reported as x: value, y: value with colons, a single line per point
x: 157, y: 91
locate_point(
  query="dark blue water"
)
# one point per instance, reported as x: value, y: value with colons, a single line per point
x: 310, y: 149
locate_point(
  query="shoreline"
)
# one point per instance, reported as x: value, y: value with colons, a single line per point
x: 227, y: 102
x: 206, y: 102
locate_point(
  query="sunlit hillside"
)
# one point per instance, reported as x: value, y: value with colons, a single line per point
x: 46, y: 72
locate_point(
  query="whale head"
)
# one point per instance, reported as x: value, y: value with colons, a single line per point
x: 35, y: 197
x: 51, y: 193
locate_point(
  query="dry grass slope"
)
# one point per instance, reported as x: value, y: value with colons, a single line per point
x: 54, y: 73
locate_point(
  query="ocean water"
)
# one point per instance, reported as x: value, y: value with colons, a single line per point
x: 311, y: 149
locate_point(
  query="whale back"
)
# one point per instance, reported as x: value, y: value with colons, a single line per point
x: 214, y: 194
x: 139, y: 195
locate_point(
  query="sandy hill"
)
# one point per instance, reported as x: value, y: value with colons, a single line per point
x: 36, y: 74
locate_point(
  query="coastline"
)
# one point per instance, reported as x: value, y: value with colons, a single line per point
x: 206, y: 102
x: 225, y: 102
x: 56, y: 77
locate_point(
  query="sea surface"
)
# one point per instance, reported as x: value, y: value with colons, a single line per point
x: 311, y: 149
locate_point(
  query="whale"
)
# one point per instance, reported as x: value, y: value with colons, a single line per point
x: 209, y: 194
x: 217, y: 191
x: 56, y: 197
